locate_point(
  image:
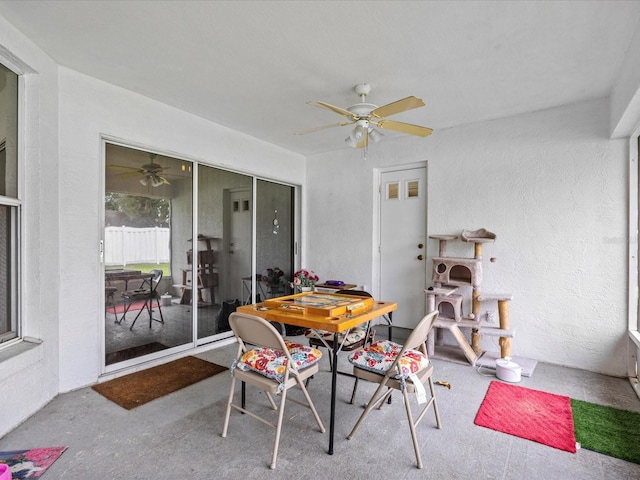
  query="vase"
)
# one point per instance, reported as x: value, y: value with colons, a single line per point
x: 306, y: 289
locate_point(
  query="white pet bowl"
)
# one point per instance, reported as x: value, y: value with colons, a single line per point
x: 508, y: 371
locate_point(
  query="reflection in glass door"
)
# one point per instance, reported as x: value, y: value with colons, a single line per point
x: 148, y: 225
x: 160, y: 281
x: 224, y: 246
x: 274, y: 238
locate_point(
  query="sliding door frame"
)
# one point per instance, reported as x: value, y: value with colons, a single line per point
x: 633, y: 363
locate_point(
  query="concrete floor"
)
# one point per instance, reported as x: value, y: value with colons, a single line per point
x: 178, y: 436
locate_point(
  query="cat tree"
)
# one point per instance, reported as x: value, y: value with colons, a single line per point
x: 456, y: 279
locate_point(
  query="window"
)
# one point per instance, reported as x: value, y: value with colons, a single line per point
x: 9, y: 205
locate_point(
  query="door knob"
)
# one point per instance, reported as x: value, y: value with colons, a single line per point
x: 420, y: 257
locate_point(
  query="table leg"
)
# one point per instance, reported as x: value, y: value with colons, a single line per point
x: 334, y: 381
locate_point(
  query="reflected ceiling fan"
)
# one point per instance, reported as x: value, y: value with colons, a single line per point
x: 150, y: 172
x: 366, y: 116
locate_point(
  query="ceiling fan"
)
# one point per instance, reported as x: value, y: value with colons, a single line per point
x: 150, y: 173
x: 365, y: 116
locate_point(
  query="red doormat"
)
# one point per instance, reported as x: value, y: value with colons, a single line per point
x: 539, y: 416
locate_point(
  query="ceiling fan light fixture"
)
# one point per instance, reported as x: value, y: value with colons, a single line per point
x: 351, y: 142
x: 156, y: 181
x: 144, y: 181
x: 375, y: 136
x: 364, y: 114
x: 357, y: 133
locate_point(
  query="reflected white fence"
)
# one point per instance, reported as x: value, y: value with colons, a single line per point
x: 127, y: 245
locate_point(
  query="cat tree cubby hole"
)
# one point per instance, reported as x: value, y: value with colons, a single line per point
x: 449, y: 307
x: 457, y: 271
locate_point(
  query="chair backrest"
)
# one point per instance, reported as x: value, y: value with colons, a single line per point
x: 157, y: 276
x: 418, y: 337
x: 357, y: 293
x: 256, y: 331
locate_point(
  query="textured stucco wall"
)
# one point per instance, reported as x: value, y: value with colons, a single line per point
x: 88, y: 109
x: 550, y: 185
x: 30, y: 378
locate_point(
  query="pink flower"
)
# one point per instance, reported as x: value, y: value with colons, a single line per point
x: 304, y: 278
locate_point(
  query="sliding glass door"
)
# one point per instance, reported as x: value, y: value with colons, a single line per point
x: 169, y: 286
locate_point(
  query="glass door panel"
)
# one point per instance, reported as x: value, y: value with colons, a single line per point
x: 274, y: 238
x: 225, y: 217
x: 148, y: 226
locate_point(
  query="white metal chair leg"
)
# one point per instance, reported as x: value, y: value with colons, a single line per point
x: 412, y: 428
x: 278, y: 430
x: 310, y: 404
x: 228, y: 414
x: 372, y: 403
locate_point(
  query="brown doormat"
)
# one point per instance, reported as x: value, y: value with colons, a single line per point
x: 131, y: 391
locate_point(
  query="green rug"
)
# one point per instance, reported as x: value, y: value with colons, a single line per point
x: 607, y: 430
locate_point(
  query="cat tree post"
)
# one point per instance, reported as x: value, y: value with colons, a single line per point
x: 442, y: 243
x: 503, y: 315
x: 475, y: 309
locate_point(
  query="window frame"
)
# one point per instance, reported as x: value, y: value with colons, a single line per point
x: 16, y: 209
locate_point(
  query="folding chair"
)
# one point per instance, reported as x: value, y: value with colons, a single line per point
x: 148, y: 291
x: 110, y: 301
x: 400, y: 367
x: 266, y: 361
x: 357, y: 337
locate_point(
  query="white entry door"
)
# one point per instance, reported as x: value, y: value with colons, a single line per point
x: 239, y: 264
x: 403, y: 232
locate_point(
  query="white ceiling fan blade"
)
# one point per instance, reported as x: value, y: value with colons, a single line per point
x: 403, y: 105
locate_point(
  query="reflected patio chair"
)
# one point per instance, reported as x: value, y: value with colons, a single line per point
x: 400, y: 367
x: 266, y: 361
x: 109, y: 299
x: 148, y: 291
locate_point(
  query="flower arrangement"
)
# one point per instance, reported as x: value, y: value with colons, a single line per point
x: 273, y: 276
x: 304, y: 278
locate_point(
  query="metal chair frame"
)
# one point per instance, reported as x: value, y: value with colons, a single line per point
x: 387, y: 383
x: 252, y: 331
x: 149, y: 295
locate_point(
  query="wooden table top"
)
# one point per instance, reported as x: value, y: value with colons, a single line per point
x: 338, y: 323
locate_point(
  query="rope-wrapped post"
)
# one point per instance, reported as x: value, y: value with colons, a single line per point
x: 503, y: 314
x: 475, y: 309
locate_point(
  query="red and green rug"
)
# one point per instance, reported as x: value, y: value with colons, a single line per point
x: 560, y: 422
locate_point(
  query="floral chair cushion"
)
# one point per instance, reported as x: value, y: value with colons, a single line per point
x: 379, y: 357
x: 354, y: 336
x: 272, y: 363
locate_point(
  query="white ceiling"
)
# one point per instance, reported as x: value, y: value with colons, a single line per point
x: 253, y: 65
